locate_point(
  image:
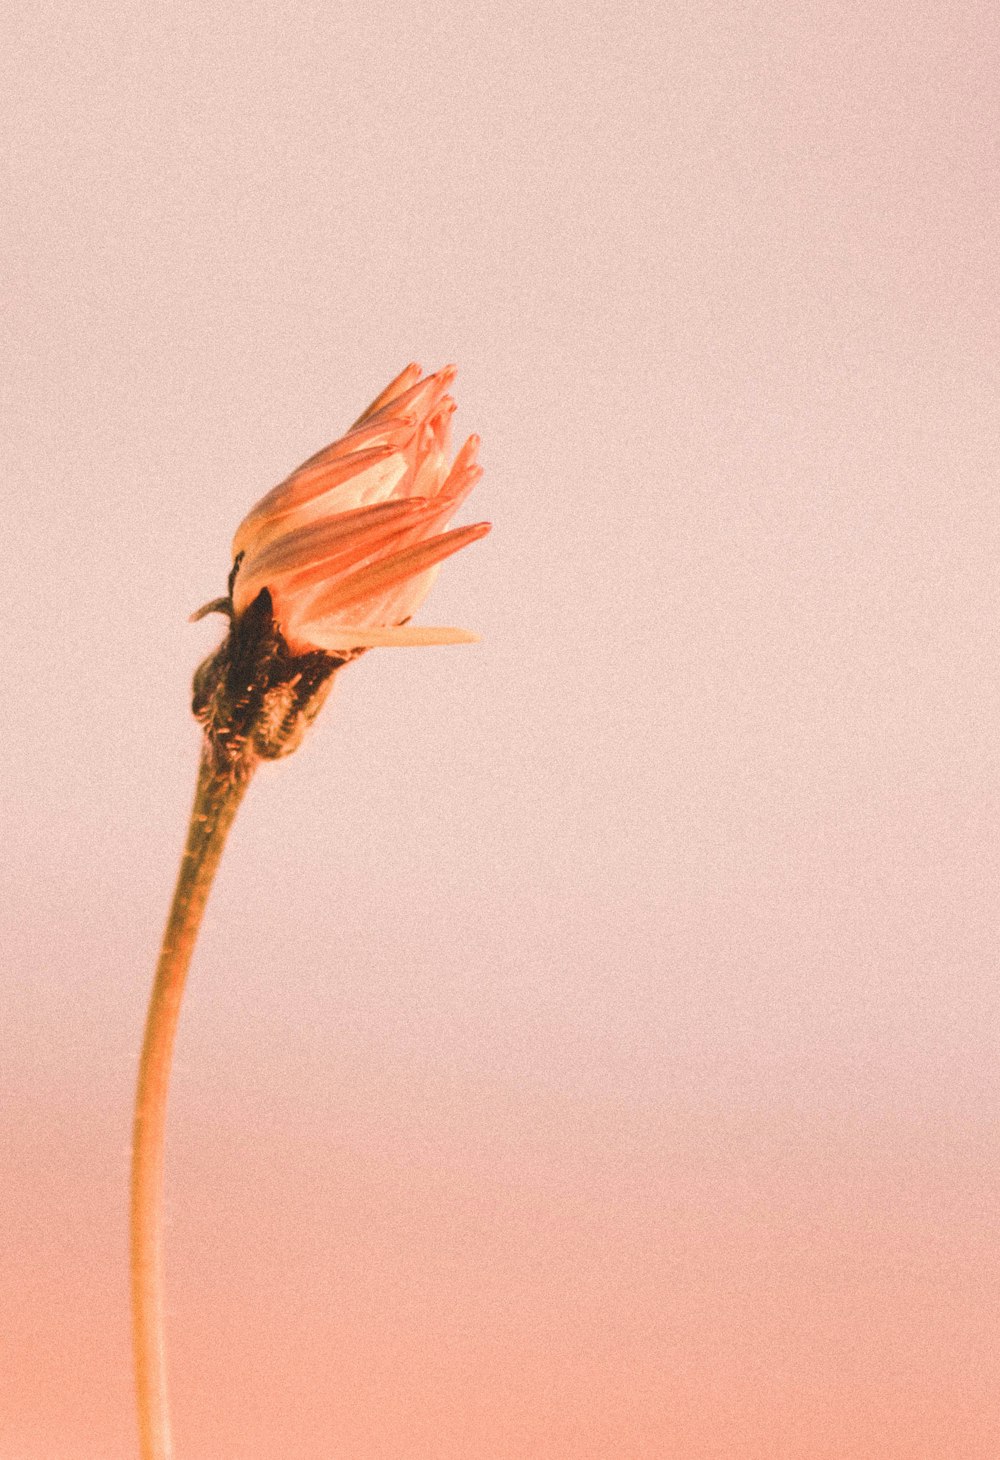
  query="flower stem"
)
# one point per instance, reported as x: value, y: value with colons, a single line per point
x: 219, y: 792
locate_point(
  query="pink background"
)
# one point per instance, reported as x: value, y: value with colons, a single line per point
x: 592, y: 1048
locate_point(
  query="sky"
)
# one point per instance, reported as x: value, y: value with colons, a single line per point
x: 591, y: 1049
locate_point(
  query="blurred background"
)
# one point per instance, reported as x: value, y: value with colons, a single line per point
x: 592, y: 1046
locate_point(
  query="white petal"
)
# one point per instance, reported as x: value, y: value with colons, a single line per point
x: 338, y: 638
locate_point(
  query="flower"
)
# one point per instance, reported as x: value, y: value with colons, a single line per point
x: 349, y: 545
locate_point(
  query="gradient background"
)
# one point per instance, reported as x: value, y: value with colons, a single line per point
x: 592, y: 1047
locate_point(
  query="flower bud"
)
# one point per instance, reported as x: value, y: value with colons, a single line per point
x: 335, y: 560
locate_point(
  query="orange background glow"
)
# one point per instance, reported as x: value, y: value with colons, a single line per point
x: 591, y: 1052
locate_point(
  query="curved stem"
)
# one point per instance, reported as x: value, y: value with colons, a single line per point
x: 217, y: 798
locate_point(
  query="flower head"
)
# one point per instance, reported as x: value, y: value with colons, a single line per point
x: 349, y: 545
x: 334, y: 561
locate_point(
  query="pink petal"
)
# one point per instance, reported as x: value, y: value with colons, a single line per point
x: 317, y: 548
x: 374, y: 579
x: 395, y: 432
x: 403, y: 382
x: 421, y: 399
x: 355, y: 481
x: 465, y: 473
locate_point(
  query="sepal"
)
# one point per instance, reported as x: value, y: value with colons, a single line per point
x: 255, y: 699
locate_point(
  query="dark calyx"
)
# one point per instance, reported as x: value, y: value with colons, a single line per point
x: 254, y: 697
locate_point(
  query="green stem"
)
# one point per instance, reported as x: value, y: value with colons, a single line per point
x: 217, y: 798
